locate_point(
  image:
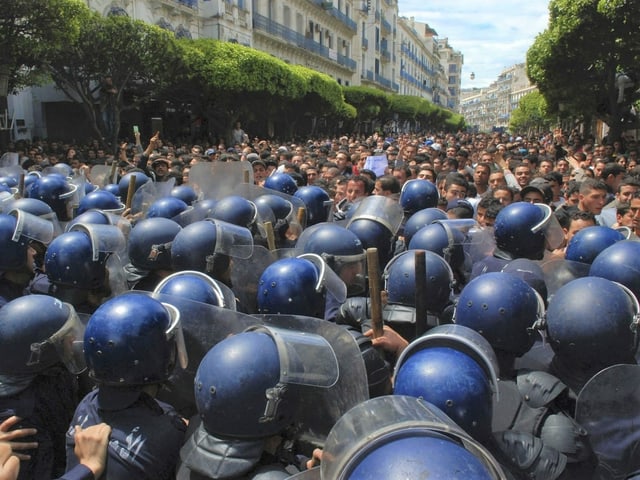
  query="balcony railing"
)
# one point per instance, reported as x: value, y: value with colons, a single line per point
x: 332, y: 10
x: 385, y: 82
x: 260, y: 22
x: 386, y: 26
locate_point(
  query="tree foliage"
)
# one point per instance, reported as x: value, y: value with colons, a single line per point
x: 531, y: 115
x: 369, y: 102
x: 138, y: 56
x: 65, y: 42
x: 574, y: 62
x: 27, y: 30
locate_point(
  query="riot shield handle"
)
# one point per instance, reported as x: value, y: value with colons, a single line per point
x: 420, y: 265
x: 373, y: 270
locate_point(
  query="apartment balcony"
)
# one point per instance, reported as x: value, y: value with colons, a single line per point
x: 385, y: 82
x: 369, y: 75
x: 192, y: 4
x: 264, y: 24
x: 385, y: 55
x: 386, y: 26
x: 365, y: 43
x: 332, y: 10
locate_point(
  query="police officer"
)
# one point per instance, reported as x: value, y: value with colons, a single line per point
x: 39, y: 338
x: 23, y: 237
x: 131, y: 345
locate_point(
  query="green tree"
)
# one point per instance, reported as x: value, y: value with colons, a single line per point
x: 233, y: 82
x: 140, y: 58
x: 531, y: 115
x: 27, y: 29
x: 576, y: 60
x: 369, y: 102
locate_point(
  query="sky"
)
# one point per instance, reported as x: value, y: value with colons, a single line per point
x: 491, y: 35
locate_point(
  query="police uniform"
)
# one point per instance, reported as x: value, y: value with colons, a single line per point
x: 146, y: 434
x: 45, y: 403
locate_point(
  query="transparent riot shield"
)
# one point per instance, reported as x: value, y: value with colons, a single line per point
x: 101, y: 175
x: 319, y: 407
x: 9, y: 159
x: 203, y: 326
x: 609, y: 409
x: 381, y: 209
x: 557, y: 273
x: 219, y: 179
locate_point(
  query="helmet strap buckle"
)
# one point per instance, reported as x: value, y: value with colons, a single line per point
x: 274, y: 397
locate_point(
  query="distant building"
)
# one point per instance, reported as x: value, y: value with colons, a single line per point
x: 489, y: 108
x: 356, y: 42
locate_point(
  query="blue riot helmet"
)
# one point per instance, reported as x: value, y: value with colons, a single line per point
x: 417, y: 195
x: 592, y: 323
x: 281, y: 182
x: 317, y: 203
x: 206, y: 206
x: 150, y: 243
x: 400, y: 281
x: 425, y: 367
x: 123, y: 184
x: 281, y: 207
x: 9, y: 181
x: 420, y: 219
x: 620, y: 263
x: 133, y: 339
x: 443, y: 238
x: 341, y: 249
x: 296, y: 286
x: 585, y: 245
x: 112, y: 188
x: 283, y: 212
x: 32, y: 206
x: 166, y: 207
x: 91, y: 216
x: 36, y: 332
x: 375, y: 221
x: 236, y: 210
x: 63, y: 169
x: 101, y: 200
x: 206, y: 245
x: 198, y: 287
x: 272, y: 364
x: 78, y: 257
x: 398, y: 436
x: 90, y: 187
x: 185, y: 193
x: 35, y: 207
x: 504, y: 309
x: 525, y: 229
x: 54, y: 190
x: 19, y: 230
